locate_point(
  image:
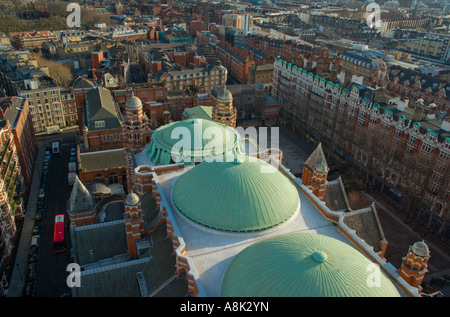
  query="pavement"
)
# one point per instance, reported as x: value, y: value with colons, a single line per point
x: 17, y: 282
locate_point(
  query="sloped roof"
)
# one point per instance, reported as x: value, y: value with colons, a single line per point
x: 100, y: 106
x: 100, y: 160
x: 367, y: 225
x: 80, y: 198
x: 317, y: 161
x: 81, y: 82
x: 335, y: 195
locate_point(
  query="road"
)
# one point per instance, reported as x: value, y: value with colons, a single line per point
x: 51, y: 267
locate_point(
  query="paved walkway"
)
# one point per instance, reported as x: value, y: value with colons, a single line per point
x: 17, y: 282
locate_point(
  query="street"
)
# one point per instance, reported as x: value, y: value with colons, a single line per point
x: 51, y: 267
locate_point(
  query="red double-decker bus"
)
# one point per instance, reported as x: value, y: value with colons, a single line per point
x: 59, y: 244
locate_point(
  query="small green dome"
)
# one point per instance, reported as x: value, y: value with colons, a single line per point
x: 242, y: 196
x: 200, y: 134
x: 303, y: 265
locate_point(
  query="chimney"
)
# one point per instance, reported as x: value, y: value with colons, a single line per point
x: 402, y: 104
x: 431, y: 111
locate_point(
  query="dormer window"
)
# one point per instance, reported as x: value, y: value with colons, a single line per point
x: 447, y: 143
x: 432, y: 135
x: 416, y: 127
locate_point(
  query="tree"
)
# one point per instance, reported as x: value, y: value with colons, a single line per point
x: 58, y: 72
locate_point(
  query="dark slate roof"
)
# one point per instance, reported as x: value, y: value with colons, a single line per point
x: 100, y: 106
x: 367, y: 225
x: 426, y: 81
x: 335, y: 196
x: 81, y: 82
x: 94, y: 161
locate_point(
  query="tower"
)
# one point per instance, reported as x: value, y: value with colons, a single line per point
x: 136, y: 125
x: 224, y: 112
x: 81, y: 207
x: 134, y: 223
x: 315, y: 172
x: 414, y: 265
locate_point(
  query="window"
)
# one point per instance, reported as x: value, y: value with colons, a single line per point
x: 427, y: 148
x: 99, y: 124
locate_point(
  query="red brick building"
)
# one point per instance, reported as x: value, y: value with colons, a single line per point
x: 136, y: 126
x: 16, y: 110
x: 102, y: 121
x: 81, y: 86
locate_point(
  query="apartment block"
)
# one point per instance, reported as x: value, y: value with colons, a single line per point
x: 11, y: 209
x: 30, y: 40
x: 238, y: 21
x: 17, y: 112
x: 20, y: 75
x: 431, y: 46
x: 69, y: 107
x: 45, y: 105
x: 414, y: 85
x: 205, y: 77
x: 403, y: 143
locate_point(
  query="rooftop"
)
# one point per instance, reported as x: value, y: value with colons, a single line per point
x: 94, y: 161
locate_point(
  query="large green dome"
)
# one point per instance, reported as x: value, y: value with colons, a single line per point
x: 303, y: 265
x: 245, y: 196
x: 200, y: 135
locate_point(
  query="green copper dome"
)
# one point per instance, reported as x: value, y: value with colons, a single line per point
x: 203, y: 137
x: 303, y: 265
x: 245, y: 196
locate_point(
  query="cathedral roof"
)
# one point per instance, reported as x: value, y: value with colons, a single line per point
x: 245, y: 196
x: 302, y: 265
x: 199, y: 134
